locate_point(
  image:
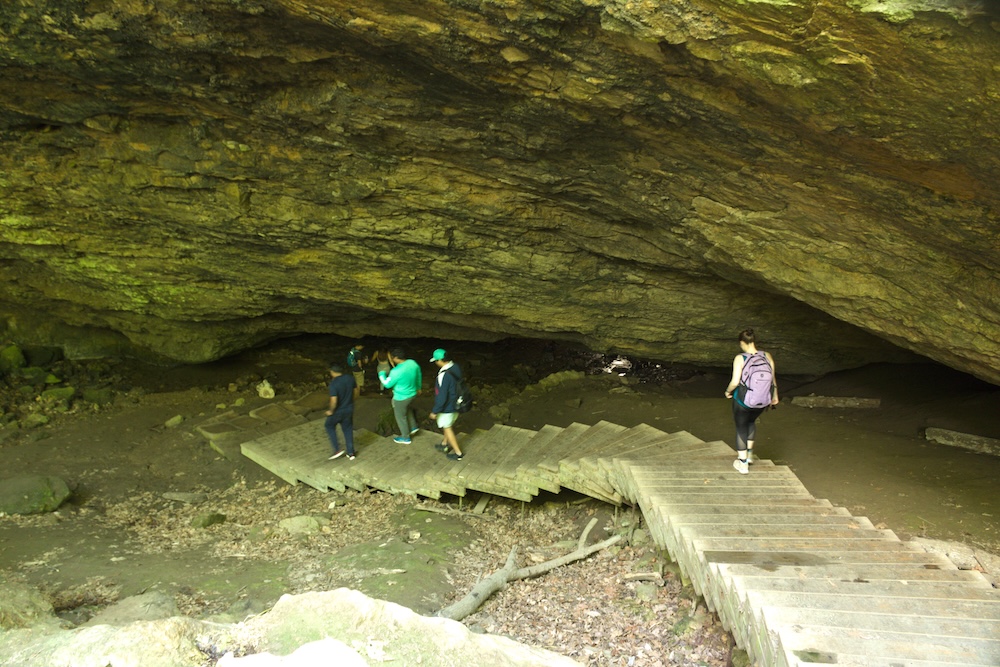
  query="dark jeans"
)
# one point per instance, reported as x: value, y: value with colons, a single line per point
x: 746, y: 426
x: 346, y: 420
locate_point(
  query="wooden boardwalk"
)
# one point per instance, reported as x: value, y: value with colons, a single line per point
x: 796, y: 580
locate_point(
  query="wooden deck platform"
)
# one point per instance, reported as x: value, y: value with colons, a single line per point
x: 796, y: 580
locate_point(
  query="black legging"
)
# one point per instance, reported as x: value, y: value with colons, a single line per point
x: 746, y: 426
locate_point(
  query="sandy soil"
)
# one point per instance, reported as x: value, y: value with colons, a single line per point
x: 118, y: 536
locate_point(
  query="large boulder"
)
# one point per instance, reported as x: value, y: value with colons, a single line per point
x: 185, y: 180
x: 32, y: 494
x: 363, y: 629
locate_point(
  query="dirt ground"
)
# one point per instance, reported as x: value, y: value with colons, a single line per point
x: 118, y: 536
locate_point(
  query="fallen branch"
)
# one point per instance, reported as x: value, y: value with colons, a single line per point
x: 481, y: 591
x: 496, y: 581
x: 579, y: 554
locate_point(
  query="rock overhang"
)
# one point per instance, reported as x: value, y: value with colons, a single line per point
x: 187, y: 180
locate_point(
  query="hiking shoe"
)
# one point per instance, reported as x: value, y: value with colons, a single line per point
x: 454, y: 457
x: 414, y: 431
x: 400, y: 440
x: 337, y: 455
x: 741, y: 466
x: 442, y: 448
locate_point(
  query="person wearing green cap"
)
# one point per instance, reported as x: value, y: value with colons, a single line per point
x: 404, y: 379
x: 445, y: 409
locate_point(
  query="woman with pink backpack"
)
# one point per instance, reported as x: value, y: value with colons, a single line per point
x: 753, y: 388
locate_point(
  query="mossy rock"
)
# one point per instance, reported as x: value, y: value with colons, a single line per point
x: 105, y: 396
x: 35, y: 375
x: 11, y: 359
x: 59, y: 394
x: 206, y: 520
x: 32, y: 494
x: 34, y: 420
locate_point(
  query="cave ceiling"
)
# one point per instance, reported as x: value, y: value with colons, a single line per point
x: 183, y: 180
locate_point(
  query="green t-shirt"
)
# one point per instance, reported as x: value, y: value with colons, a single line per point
x: 404, y: 380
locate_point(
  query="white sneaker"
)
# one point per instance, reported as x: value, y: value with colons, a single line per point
x: 741, y: 466
x: 750, y: 458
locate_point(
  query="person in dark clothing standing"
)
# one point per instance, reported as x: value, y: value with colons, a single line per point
x: 445, y: 398
x: 343, y: 391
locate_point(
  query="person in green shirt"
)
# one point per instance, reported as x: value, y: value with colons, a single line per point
x: 405, y: 380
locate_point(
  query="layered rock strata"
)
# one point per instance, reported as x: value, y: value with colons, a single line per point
x: 187, y: 179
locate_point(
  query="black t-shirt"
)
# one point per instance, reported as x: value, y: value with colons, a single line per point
x: 342, y: 387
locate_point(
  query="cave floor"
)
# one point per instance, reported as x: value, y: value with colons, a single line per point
x: 875, y: 462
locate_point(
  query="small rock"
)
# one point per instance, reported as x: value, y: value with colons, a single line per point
x: 174, y: 421
x: 103, y: 396
x: 574, y: 402
x: 301, y: 525
x: 500, y: 413
x: 646, y: 591
x: 34, y: 420
x: 264, y: 389
x: 59, y: 394
x: 34, y: 375
x: 206, y: 520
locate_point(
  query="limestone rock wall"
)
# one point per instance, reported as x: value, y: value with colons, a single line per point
x: 186, y: 179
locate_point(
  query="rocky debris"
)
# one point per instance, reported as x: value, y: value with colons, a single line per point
x: 31, y: 396
x: 32, y: 494
x: 976, y: 443
x: 813, y: 401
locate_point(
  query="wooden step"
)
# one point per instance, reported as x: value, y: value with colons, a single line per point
x: 873, y: 647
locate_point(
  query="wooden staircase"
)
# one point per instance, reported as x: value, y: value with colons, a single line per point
x: 796, y: 580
